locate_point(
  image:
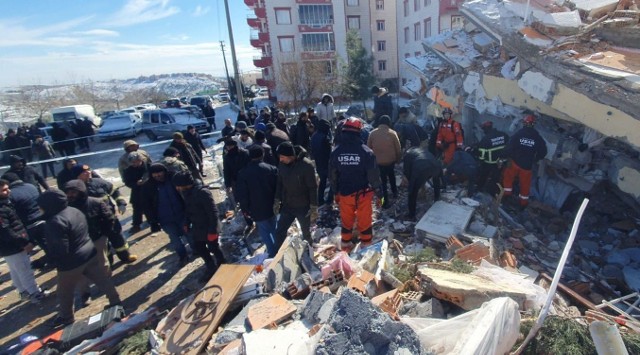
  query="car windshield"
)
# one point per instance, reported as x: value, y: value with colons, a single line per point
x: 197, y: 100
x: 184, y: 115
x: 118, y: 117
x: 64, y: 116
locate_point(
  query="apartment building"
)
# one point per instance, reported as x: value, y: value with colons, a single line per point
x: 316, y: 30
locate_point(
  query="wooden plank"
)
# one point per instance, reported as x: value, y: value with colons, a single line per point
x: 269, y: 311
x: 576, y: 297
x: 193, y: 338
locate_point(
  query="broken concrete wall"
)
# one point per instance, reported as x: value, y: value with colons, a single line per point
x: 626, y: 37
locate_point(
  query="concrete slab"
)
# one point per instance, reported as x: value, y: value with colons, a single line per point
x: 538, y: 86
x: 276, y: 342
x: 444, y: 219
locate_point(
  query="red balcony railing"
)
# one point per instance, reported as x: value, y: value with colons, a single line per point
x: 261, y: 12
x: 262, y: 62
x: 250, y: 3
x: 254, y: 22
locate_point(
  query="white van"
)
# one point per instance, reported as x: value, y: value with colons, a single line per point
x: 67, y: 113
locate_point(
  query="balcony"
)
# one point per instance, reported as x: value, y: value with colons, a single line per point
x: 250, y: 3
x: 254, y: 22
x: 449, y: 5
x: 264, y: 82
x: 263, y: 62
x: 317, y: 55
x: 328, y: 27
x: 263, y: 36
x: 261, y: 12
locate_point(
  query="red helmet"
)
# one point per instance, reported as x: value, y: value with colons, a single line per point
x: 352, y: 124
x: 529, y: 119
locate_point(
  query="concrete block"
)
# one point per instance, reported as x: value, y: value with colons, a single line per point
x: 561, y: 23
x: 444, y: 219
x: 357, y: 327
x: 624, y: 172
x: 429, y: 309
x: 537, y: 86
x: 314, y: 303
x: 275, y: 342
x: 465, y: 290
x: 595, y: 8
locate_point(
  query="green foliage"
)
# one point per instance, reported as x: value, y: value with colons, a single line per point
x: 632, y: 342
x: 425, y: 255
x: 136, y: 344
x: 359, y: 76
x: 558, y: 336
x: 461, y: 266
x: 402, y: 274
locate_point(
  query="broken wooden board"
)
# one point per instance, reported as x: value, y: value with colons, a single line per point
x: 270, y: 311
x: 444, y: 219
x: 193, y: 338
x: 466, y: 290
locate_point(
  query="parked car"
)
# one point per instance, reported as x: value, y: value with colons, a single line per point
x: 223, y: 97
x: 200, y: 101
x: 158, y: 124
x: 131, y: 110
x: 175, y: 103
x: 120, y: 125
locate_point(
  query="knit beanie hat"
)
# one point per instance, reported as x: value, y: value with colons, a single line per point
x: 286, y: 149
x: 157, y: 167
x: 178, y: 135
x: 183, y: 178
x: 255, y: 152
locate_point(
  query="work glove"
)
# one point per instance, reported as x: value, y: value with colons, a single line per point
x: 212, y: 237
x: 313, y: 214
x: 122, y: 208
x: 276, y: 207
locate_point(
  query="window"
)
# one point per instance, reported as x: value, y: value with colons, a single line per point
x: 353, y: 22
x: 406, y: 35
x: 427, y: 28
x: 456, y: 22
x: 318, y: 42
x: 286, y: 44
x: 405, y: 8
x: 382, y: 65
x: 382, y: 46
x: 380, y: 25
x: 427, y: 3
x: 352, y: 3
x: 316, y: 15
x: 379, y: 4
x: 283, y: 16
x: 417, y: 31
x: 416, y: 5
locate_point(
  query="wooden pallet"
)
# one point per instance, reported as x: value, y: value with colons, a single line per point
x: 192, y: 338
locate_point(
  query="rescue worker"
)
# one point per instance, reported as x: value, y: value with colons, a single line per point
x: 419, y: 165
x: 490, y: 151
x: 355, y: 178
x: 524, y: 150
x: 462, y: 168
x: 449, y: 136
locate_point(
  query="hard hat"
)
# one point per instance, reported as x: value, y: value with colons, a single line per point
x: 352, y: 124
x: 529, y: 119
x: 447, y: 110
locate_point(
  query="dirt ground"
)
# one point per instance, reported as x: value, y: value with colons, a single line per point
x: 154, y: 280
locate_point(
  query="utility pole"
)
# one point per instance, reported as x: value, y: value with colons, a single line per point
x: 226, y: 70
x: 233, y: 57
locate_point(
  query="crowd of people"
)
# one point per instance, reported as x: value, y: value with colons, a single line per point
x: 274, y: 173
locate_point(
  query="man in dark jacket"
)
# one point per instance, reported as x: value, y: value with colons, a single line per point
x: 228, y: 128
x: 24, y: 198
x: 355, y: 178
x: 71, y: 248
x: 275, y: 137
x: 193, y: 138
x: 382, y: 104
x: 260, y: 139
x: 164, y: 206
x: 255, y: 191
x: 103, y: 189
x: 296, y: 192
x: 61, y: 140
x: 524, y: 150
x: 135, y: 175
x: 210, y: 114
x: 100, y: 224
x: 233, y: 160
x: 419, y: 165
x: 14, y: 248
x: 300, y: 133
x: 202, y: 220
x: 321, y: 152
x: 26, y: 173
x: 462, y: 168
x: 187, y: 154
x: 490, y: 152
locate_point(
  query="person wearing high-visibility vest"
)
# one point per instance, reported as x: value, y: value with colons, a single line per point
x: 490, y: 152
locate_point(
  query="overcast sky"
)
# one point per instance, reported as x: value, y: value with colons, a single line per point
x: 45, y: 41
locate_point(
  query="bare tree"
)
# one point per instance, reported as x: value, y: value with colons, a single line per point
x: 35, y: 100
x: 302, y: 82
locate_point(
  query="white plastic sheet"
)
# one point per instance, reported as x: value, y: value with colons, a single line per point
x: 491, y: 329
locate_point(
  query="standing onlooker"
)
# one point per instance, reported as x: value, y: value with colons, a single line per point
x: 14, y: 248
x: 123, y: 162
x: 259, y: 139
x: 321, y: 152
x: 187, y: 154
x: 171, y: 160
x: 300, y: 135
x: 324, y: 109
x: 355, y: 178
x: 100, y: 224
x: 281, y: 124
x: 44, y: 151
x: 233, y: 160
x: 164, y: 206
x: 275, y: 137
x: 61, y: 140
x: 525, y: 149
x: 419, y: 166
x: 386, y: 147
x: 73, y: 252
x: 202, y: 220
x: 228, y: 128
x: 382, y: 104
x: 296, y: 192
x: 462, y: 168
x: 244, y: 139
x: 26, y: 173
x: 210, y: 114
x: 449, y: 136
x: 134, y: 177
x: 193, y: 138
x: 255, y: 191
